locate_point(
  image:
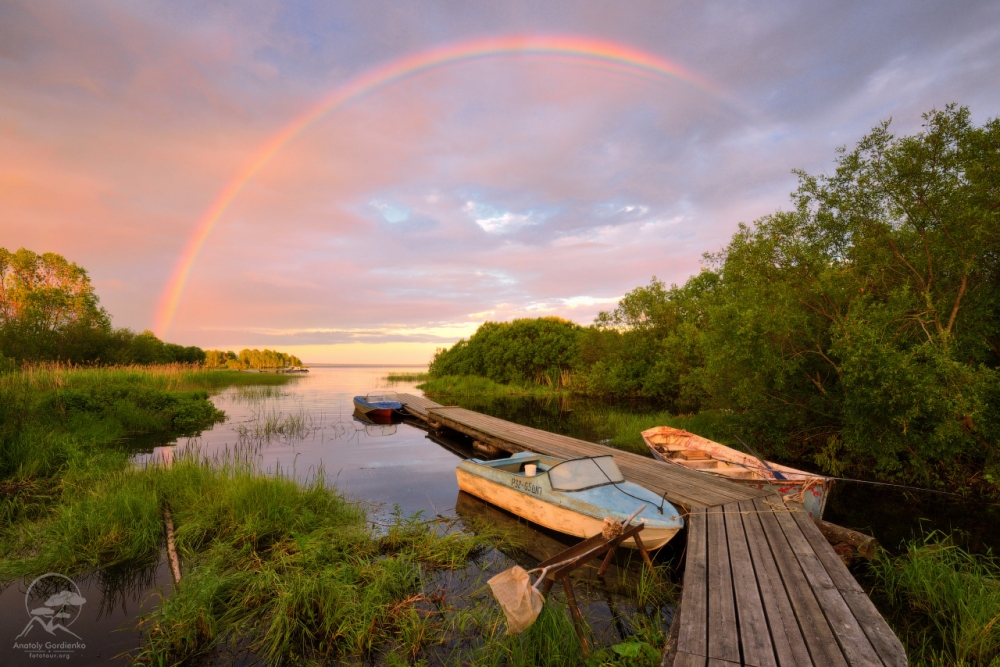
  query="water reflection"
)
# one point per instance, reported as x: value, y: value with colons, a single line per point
x: 106, y: 625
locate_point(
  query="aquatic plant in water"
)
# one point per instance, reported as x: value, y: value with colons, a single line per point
x: 944, y: 601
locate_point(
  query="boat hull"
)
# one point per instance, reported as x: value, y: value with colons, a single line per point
x: 811, y: 493
x: 549, y: 515
x: 371, y: 412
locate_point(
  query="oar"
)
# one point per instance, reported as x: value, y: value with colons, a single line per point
x: 777, y: 475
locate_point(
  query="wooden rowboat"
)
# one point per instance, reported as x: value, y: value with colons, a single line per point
x: 569, y: 496
x: 679, y: 447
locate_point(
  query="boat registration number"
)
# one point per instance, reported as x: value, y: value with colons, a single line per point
x: 527, y: 487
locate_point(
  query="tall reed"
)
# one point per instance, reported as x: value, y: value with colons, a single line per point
x: 946, y: 600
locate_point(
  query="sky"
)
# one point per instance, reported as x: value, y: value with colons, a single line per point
x: 252, y: 174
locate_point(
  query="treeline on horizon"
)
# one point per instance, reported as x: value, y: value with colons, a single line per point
x: 859, y: 330
x: 249, y: 359
x: 50, y: 312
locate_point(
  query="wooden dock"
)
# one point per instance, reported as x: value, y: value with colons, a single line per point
x: 762, y: 586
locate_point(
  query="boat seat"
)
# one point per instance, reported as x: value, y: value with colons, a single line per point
x: 692, y: 455
x: 706, y: 464
x: 741, y: 474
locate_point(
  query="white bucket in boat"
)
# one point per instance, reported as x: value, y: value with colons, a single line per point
x: 529, y: 469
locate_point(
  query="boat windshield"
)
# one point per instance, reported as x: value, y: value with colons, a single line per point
x: 586, y: 473
x: 382, y: 397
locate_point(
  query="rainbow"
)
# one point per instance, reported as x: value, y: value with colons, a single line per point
x: 592, y: 52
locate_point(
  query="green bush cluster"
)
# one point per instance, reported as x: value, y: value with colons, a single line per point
x: 538, y: 350
x: 250, y: 359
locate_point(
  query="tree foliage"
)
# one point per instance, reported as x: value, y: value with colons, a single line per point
x: 524, y: 350
x: 49, y: 311
x: 258, y: 359
x: 863, y: 325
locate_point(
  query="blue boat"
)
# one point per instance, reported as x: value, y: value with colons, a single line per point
x: 571, y: 496
x: 378, y: 405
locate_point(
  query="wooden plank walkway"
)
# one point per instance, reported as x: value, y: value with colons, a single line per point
x: 762, y: 586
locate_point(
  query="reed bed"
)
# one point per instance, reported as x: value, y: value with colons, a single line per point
x: 473, y: 385
x: 407, y: 377
x: 268, y: 425
x: 166, y: 377
x: 944, y: 601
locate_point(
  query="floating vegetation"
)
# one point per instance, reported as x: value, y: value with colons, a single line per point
x: 273, y: 425
x: 252, y: 394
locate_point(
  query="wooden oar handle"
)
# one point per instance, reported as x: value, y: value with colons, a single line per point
x: 627, y: 521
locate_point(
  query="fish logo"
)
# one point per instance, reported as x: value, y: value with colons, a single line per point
x: 53, y: 603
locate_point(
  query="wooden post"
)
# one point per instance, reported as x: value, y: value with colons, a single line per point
x: 578, y: 621
x: 607, y: 562
x: 834, y: 534
x: 642, y: 550
x: 175, y: 563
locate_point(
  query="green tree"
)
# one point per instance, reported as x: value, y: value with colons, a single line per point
x: 525, y: 350
x: 862, y: 326
x: 42, y: 299
x: 50, y: 311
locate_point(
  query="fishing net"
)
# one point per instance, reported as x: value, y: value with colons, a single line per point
x: 521, y: 602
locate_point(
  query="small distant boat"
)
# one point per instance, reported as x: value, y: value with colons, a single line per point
x: 681, y: 448
x: 571, y: 496
x: 381, y: 404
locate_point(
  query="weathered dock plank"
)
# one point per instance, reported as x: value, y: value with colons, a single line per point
x: 762, y: 586
x: 755, y: 638
x: 693, y: 636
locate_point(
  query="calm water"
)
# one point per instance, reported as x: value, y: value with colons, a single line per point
x: 385, y: 465
x: 306, y: 428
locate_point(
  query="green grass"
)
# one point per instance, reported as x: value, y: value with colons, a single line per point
x: 944, y: 601
x: 291, y: 571
x: 63, y: 427
x: 473, y: 385
x: 407, y: 377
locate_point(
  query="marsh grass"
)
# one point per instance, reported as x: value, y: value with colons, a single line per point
x: 407, y: 377
x: 266, y: 426
x: 945, y: 602
x: 473, y: 385
x: 254, y: 394
x: 165, y: 377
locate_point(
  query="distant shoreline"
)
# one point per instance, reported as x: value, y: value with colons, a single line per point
x: 308, y: 365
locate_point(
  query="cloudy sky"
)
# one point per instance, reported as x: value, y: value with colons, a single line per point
x: 506, y: 185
